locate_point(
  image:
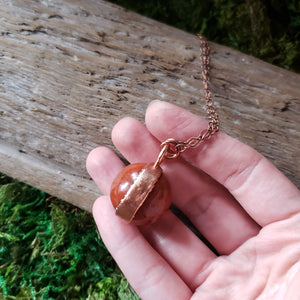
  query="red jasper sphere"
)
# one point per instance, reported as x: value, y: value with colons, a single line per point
x: 157, y: 201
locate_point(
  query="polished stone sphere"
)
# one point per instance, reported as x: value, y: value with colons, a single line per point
x: 157, y: 201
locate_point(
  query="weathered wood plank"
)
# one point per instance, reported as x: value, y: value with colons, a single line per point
x: 70, y: 69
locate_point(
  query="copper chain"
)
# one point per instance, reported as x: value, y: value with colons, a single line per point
x: 172, y: 148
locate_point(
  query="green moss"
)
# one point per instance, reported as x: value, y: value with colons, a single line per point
x: 51, y: 250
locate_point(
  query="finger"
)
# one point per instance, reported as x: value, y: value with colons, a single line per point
x: 148, y: 273
x: 252, y: 179
x: 207, y: 204
x: 180, y: 247
x: 162, y: 237
x: 103, y: 165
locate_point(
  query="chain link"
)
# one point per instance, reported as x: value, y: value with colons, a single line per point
x: 172, y: 148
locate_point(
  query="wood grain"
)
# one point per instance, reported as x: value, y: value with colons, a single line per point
x: 69, y: 70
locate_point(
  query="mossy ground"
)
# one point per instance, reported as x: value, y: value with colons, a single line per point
x: 50, y: 249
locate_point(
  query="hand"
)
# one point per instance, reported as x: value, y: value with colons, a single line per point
x: 245, y: 208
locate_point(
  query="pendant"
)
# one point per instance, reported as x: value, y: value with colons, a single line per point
x: 141, y: 193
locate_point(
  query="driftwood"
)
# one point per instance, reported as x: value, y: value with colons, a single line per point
x: 70, y: 69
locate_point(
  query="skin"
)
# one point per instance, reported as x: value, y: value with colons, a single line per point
x: 238, y: 200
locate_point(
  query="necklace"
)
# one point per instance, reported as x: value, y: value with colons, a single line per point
x: 140, y: 192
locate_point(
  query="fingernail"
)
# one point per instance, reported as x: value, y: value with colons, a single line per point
x: 153, y: 102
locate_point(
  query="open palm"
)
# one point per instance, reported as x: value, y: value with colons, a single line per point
x: 238, y: 200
